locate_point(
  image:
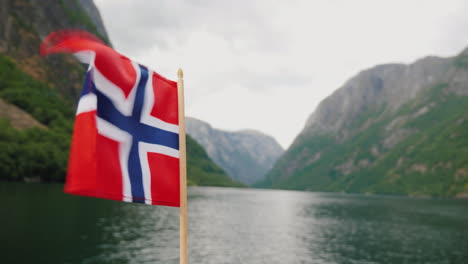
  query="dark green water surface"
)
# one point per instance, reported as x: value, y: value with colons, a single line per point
x: 40, y: 224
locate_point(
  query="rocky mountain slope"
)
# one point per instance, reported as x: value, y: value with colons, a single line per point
x: 397, y: 129
x: 245, y: 155
x: 38, y: 95
x: 23, y: 25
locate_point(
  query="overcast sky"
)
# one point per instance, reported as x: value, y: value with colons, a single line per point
x: 266, y: 64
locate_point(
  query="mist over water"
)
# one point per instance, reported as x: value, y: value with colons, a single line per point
x: 40, y: 224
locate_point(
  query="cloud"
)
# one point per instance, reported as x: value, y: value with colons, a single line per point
x: 277, y: 59
x: 139, y: 25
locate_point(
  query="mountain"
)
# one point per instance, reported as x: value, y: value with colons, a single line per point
x: 245, y: 155
x: 201, y: 170
x: 23, y: 25
x: 392, y: 129
x: 38, y: 95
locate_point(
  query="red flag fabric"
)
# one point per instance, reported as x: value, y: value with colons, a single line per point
x: 125, y: 143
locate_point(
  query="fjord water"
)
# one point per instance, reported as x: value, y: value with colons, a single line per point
x: 40, y: 224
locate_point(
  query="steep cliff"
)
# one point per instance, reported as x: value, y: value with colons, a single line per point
x: 399, y: 129
x: 245, y: 155
x: 23, y: 25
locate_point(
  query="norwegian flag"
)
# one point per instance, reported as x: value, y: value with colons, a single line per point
x: 125, y: 143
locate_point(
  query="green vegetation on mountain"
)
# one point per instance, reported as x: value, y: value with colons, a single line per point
x: 32, y: 96
x: 202, y: 171
x: 33, y: 153
x: 246, y: 155
x: 78, y: 16
x: 429, y: 157
x: 42, y: 153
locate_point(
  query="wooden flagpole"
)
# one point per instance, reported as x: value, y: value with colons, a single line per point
x: 183, y: 170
